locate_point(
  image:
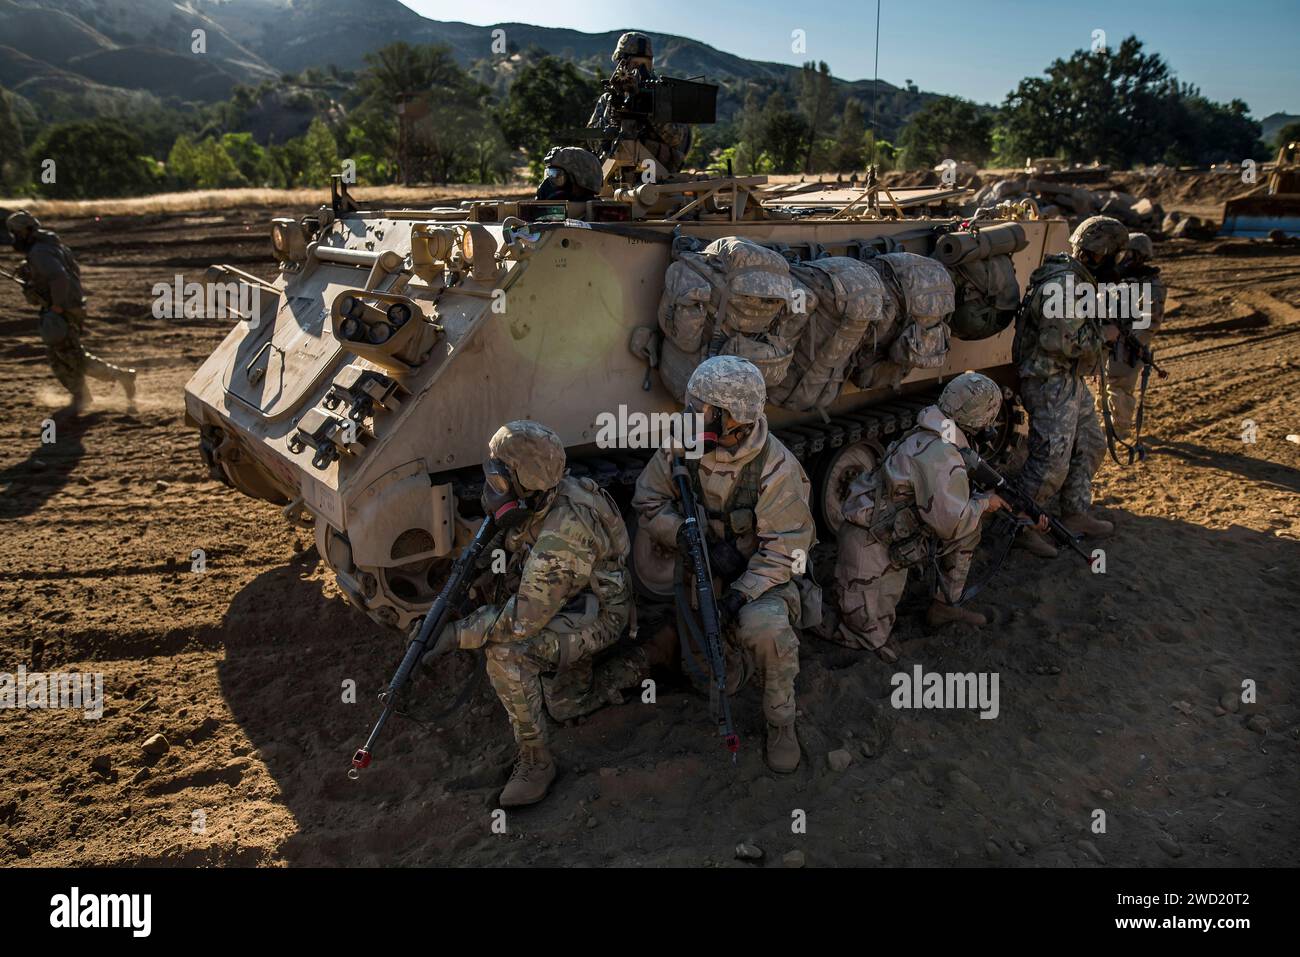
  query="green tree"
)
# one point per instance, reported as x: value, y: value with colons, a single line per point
x: 13, y: 172
x: 249, y: 158
x: 815, y: 104
x: 202, y: 164
x: 93, y: 159
x: 946, y: 128
x: 1103, y: 105
x: 784, y: 133
x: 320, y: 156
x: 849, y: 152
x: 1287, y: 134
x: 547, y: 98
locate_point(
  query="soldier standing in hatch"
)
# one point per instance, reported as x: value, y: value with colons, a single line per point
x: 634, y: 66
x: 52, y: 280
x: 574, y: 598
x: 1057, y: 345
x: 572, y: 174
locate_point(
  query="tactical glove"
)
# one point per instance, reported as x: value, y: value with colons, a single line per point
x: 729, y: 607
x: 726, y: 561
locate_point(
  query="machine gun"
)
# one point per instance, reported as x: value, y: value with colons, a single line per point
x: 661, y: 99
x: 988, y: 479
x: 453, y: 592
x: 710, y: 640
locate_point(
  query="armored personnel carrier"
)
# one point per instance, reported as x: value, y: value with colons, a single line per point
x: 360, y: 392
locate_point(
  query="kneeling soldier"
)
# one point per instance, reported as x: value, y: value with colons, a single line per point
x: 574, y: 597
x: 760, y: 527
x: 915, y: 509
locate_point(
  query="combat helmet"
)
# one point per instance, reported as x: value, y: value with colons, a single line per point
x: 1103, y: 236
x: 581, y: 165
x: 632, y: 44
x: 533, y: 453
x: 1139, y: 244
x: 731, y: 383
x: 21, y: 224
x: 971, y: 400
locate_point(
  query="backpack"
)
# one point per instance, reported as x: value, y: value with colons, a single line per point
x: 923, y: 297
x: 988, y: 297
x: 701, y: 315
x: 844, y: 299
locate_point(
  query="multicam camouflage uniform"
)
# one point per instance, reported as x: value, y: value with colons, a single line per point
x: 1121, y: 376
x: 1053, y: 354
x: 573, y: 601
x: 917, y: 503
x: 779, y: 530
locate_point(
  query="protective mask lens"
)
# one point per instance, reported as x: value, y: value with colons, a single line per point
x: 497, y: 476
x: 709, y: 424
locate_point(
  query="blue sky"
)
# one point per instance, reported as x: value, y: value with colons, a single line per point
x: 978, y: 50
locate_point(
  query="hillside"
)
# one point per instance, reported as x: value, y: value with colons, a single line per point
x: 115, y: 47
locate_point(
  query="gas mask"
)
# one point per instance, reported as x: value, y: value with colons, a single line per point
x: 713, y: 430
x: 984, y: 437
x: 1105, y: 270
x: 503, y: 499
x: 555, y: 185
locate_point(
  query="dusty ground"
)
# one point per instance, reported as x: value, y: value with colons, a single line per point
x: 1109, y: 684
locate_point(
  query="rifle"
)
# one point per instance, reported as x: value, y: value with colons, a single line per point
x: 988, y: 479
x: 711, y: 640
x: 1134, y: 347
x: 448, y: 599
x: 30, y: 296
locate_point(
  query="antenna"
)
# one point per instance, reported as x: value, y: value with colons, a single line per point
x: 875, y: 89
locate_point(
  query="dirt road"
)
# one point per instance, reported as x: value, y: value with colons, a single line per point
x: 1110, y: 684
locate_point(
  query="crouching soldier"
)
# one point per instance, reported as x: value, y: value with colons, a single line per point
x: 915, y: 510
x: 574, y: 598
x: 759, y: 533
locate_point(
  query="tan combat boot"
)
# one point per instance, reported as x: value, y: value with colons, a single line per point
x: 1036, y: 543
x: 1083, y: 524
x: 782, y: 747
x: 532, y: 777
x: 941, y: 613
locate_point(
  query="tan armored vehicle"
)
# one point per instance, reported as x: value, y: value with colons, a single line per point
x: 360, y: 392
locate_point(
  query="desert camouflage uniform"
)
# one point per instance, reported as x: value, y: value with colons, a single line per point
x: 925, y: 484
x: 1121, y: 377
x: 1066, y: 444
x: 574, y: 600
x: 764, y: 639
x: 53, y: 279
